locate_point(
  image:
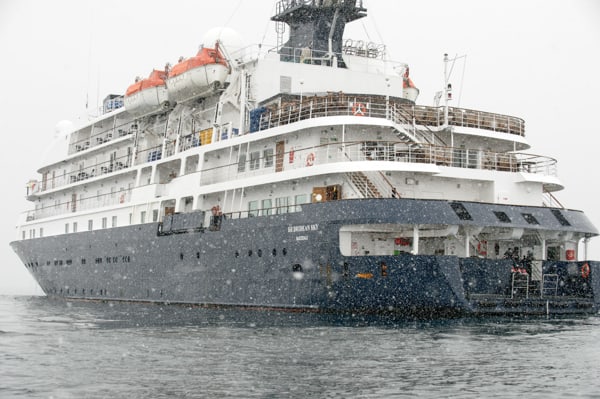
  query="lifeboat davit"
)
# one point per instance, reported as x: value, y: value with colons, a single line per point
x: 198, y: 76
x: 147, y: 95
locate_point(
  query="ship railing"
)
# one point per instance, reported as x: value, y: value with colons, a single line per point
x: 276, y: 210
x: 104, y: 135
x: 549, y: 200
x: 311, y: 107
x: 287, y: 5
x: 382, y: 151
x: 434, y: 116
x: 87, y: 203
x: 81, y: 174
x: 340, y: 104
x: 305, y: 55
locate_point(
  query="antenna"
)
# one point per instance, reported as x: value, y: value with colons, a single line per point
x: 447, y: 91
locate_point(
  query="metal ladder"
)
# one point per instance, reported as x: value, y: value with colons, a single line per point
x: 520, y: 282
x: 549, y: 285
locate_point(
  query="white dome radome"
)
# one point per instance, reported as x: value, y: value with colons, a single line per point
x: 230, y: 39
x: 58, y: 148
x: 63, y: 128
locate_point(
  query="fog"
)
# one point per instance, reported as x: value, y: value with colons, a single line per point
x: 537, y: 60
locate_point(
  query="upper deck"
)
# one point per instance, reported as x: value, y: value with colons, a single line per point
x: 421, y: 123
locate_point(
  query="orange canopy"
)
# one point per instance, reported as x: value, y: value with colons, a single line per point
x: 204, y: 57
x: 156, y: 78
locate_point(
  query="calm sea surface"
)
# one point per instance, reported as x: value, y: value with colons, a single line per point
x: 57, y: 349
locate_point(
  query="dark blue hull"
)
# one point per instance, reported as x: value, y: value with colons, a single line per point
x: 292, y: 261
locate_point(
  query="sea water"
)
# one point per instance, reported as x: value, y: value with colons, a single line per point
x: 53, y: 348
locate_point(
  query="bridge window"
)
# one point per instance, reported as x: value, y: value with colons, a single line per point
x: 461, y: 211
x: 529, y: 218
x: 560, y: 217
x: 503, y: 217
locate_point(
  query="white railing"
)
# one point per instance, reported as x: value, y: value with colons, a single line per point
x: 66, y: 207
x: 340, y: 104
x: 387, y: 152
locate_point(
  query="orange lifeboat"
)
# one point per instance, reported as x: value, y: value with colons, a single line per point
x: 147, y: 95
x: 198, y: 76
x: 409, y: 90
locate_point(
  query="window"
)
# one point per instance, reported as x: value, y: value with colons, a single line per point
x: 155, y: 215
x: 557, y: 214
x: 461, y: 211
x: 131, y: 218
x: 90, y: 225
x: 299, y: 200
x: 281, y: 204
x: 242, y: 163
x: 529, y: 218
x: 143, y: 217
x: 267, y: 207
x: 268, y: 156
x: 25, y: 233
x: 104, y: 223
x: 66, y: 229
x: 74, y: 227
x: 41, y: 231
x: 252, y: 208
x: 254, y: 160
x: 114, y: 221
x: 503, y: 217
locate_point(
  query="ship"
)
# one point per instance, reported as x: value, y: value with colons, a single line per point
x: 304, y: 177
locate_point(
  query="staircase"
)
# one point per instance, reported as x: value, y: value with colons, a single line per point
x: 364, y: 185
x: 407, y: 131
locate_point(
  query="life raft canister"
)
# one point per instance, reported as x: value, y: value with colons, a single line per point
x: 482, y: 248
x: 585, y: 270
x: 310, y: 159
x: 359, y: 109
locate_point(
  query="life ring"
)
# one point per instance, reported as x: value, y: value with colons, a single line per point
x: 122, y: 198
x: 359, y: 109
x: 310, y: 159
x: 585, y: 270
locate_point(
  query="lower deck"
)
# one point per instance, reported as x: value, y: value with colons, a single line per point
x: 299, y: 261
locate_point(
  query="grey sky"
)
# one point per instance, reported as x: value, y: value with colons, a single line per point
x: 534, y: 59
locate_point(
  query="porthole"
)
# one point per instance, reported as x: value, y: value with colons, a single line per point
x: 237, y: 254
x: 284, y: 251
x: 259, y: 253
x: 249, y: 252
x: 274, y: 252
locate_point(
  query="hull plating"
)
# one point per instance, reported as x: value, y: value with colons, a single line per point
x: 261, y: 262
